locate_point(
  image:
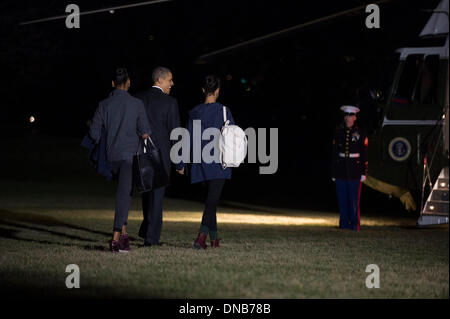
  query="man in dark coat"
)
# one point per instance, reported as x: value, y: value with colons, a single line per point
x: 349, y: 167
x: 163, y: 114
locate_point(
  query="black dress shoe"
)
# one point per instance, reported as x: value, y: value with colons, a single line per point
x: 147, y: 244
x: 143, y: 230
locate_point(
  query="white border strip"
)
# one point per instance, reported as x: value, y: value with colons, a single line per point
x: 410, y: 122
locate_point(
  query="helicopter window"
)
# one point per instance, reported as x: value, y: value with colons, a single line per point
x: 418, y: 81
x: 425, y: 92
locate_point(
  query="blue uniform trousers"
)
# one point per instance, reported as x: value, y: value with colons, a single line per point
x: 348, y: 192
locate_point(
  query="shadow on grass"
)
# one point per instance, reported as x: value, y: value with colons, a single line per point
x: 14, y: 219
x: 12, y: 234
x: 11, y: 219
x: 51, y: 232
x: 7, y: 216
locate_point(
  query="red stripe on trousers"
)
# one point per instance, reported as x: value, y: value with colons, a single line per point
x: 359, y: 194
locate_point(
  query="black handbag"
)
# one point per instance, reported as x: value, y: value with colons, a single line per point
x: 148, y: 168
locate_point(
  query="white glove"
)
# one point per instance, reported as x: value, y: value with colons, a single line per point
x: 363, y: 178
x: 333, y: 179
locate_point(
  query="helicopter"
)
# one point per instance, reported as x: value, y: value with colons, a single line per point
x: 411, y: 148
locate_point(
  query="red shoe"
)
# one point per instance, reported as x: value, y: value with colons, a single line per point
x: 200, y: 241
x: 215, y: 243
x: 124, y: 243
x: 114, y: 246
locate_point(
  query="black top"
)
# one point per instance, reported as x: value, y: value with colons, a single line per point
x: 348, y: 141
x: 163, y: 115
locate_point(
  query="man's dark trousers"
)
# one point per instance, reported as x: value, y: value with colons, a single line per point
x: 163, y: 115
x: 152, y: 203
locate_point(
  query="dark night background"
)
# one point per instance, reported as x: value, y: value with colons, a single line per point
x: 295, y: 82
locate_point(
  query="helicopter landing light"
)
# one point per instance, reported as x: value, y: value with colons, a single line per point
x: 443, y: 185
x: 431, y: 207
x: 111, y: 11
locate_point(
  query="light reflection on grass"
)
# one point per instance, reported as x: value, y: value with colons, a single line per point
x: 230, y: 216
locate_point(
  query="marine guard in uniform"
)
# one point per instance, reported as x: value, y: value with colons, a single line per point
x: 349, y: 167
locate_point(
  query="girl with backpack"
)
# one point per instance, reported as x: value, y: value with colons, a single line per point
x: 211, y: 115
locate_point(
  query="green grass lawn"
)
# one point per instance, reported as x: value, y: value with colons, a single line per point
x: 265, y: 253
x: 55, y: 211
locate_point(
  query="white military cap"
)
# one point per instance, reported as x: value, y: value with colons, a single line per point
x: 349, y: 109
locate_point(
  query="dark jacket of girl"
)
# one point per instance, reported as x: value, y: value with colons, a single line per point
x: 210, y: 115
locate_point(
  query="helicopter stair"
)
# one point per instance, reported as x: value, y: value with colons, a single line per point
x: 435, y: 210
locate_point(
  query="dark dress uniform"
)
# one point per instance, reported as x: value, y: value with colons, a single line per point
x: 349, y: 163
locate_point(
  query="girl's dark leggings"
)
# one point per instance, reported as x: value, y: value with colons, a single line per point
x: 215, y: 187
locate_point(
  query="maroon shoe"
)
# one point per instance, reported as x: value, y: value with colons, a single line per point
x: 124, y: 243
x: 215, y: 243
x: 200, y: 241
x: 114, y: 246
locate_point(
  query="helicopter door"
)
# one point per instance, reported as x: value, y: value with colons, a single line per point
x: 411, y: 125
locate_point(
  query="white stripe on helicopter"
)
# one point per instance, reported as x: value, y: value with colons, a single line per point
x: 410, y: 122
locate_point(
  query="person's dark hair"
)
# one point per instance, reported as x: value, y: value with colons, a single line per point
x: 159, y: 72
x: 120, y: 76
x: 211, y: 84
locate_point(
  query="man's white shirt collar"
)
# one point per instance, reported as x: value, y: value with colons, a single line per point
x: 155, y: 86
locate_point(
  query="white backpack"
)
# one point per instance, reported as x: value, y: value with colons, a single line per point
x: 232, y: 143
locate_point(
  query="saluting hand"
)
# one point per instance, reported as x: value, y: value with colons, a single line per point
x: 363, y: 178
x: 180, y: 171
x: 145, y: 136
